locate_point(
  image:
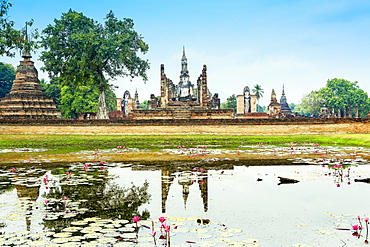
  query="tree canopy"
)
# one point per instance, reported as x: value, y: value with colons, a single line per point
x: 230, y: 103
x: 11, y: 38
x: 345, y: 98
x: 72, y: 100
x: 82, y: 51
x: 7, y: 75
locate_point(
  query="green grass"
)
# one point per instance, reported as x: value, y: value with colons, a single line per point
x: 72, y: 143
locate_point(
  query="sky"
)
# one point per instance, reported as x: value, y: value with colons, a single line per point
x: 296, y: 43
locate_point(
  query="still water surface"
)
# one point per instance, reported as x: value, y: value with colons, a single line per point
x: 247, y: 198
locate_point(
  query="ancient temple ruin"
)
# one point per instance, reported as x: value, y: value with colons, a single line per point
x: 279, y: 110
x: 26, y: 100
x: 246, y: 106
x: 183, y: 100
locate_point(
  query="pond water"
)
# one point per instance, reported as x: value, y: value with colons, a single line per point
x: 205, y: 204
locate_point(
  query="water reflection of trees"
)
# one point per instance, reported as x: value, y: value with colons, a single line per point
x: 103, y: 199
x: 5, y: 184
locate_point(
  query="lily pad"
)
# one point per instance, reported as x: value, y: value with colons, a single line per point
x: 250, y: 240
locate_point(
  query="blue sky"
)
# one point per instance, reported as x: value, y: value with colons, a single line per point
x: 300, y: 44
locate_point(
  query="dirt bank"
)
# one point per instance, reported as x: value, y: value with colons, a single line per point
x: 245, y: 129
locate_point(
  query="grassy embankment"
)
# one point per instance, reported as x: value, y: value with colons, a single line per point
x: 60, y: 147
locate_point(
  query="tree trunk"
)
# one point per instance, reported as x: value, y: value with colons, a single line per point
x: 102, y: 107
x: 356, y: 111
x: 339, y: 115
x: 350, y: 112
x: 344, y: 113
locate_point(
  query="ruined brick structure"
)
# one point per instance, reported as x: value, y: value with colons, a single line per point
x: 26, y: 100
x: 184, y: 100
x: 281, y: 110
x: 274, y: 107
x: 246, y: 106
x: 184, y: 94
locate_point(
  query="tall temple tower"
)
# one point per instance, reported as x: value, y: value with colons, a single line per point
x: 26, y: 99
x: 184, y: 90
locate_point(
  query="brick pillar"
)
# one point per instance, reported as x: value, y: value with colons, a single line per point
x: 199, y: 90
x: 163, y: 87
x: 204, y: 94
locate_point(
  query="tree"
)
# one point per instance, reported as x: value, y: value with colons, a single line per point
x: 258, y: 91
x: 7, y: 75
x: 345, y: 97
x: 10, y: 38
x: 311, y: 104
x: 51, y: 90
x: 84, y: 52
x: 230, y: 103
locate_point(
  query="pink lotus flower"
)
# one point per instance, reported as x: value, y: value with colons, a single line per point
x: 355, y: 227
x: 101, y: 168
x: 194, y: 169
x: 167, y: 228
x: 162, y: 219
x: 153, y: 233
x: 46, y: 201
x: 366, y: 219
x: 358, y: 217
x: 201, y: 170
x: 65, y: 198
x: 136, y: 219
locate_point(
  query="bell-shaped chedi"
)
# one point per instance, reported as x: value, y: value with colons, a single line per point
x: 26, y: 99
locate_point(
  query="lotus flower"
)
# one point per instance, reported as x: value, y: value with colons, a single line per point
x: 366, y: 219
x: 355, y: 227
x: 167, y: 228
x: 162, y: 219
x: 136, y: 219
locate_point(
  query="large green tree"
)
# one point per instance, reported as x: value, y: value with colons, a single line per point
x: 345, y: 97
x: 7, y: 75
x: 84, y: 52
x: 10, y: 38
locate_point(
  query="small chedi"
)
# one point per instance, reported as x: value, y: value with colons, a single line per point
x: 182, y: 101
x: 26, y: 100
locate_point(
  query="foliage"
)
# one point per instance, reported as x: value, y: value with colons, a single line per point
x: 73, y: 100
x: 261, y: 108
x: 144, y: 105
x: 83, y: 52
x: 51, y: 90
x: 10, y: 38
x: 339, y: 95
x: 7, y: 75
x: 344, y: 95
x: 258, y: 91
x: 230, y: 103
x: 311, y: 104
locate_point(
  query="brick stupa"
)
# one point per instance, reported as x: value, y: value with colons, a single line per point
x: 26, y: 99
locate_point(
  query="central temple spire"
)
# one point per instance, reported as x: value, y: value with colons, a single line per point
x: 184, y: 75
